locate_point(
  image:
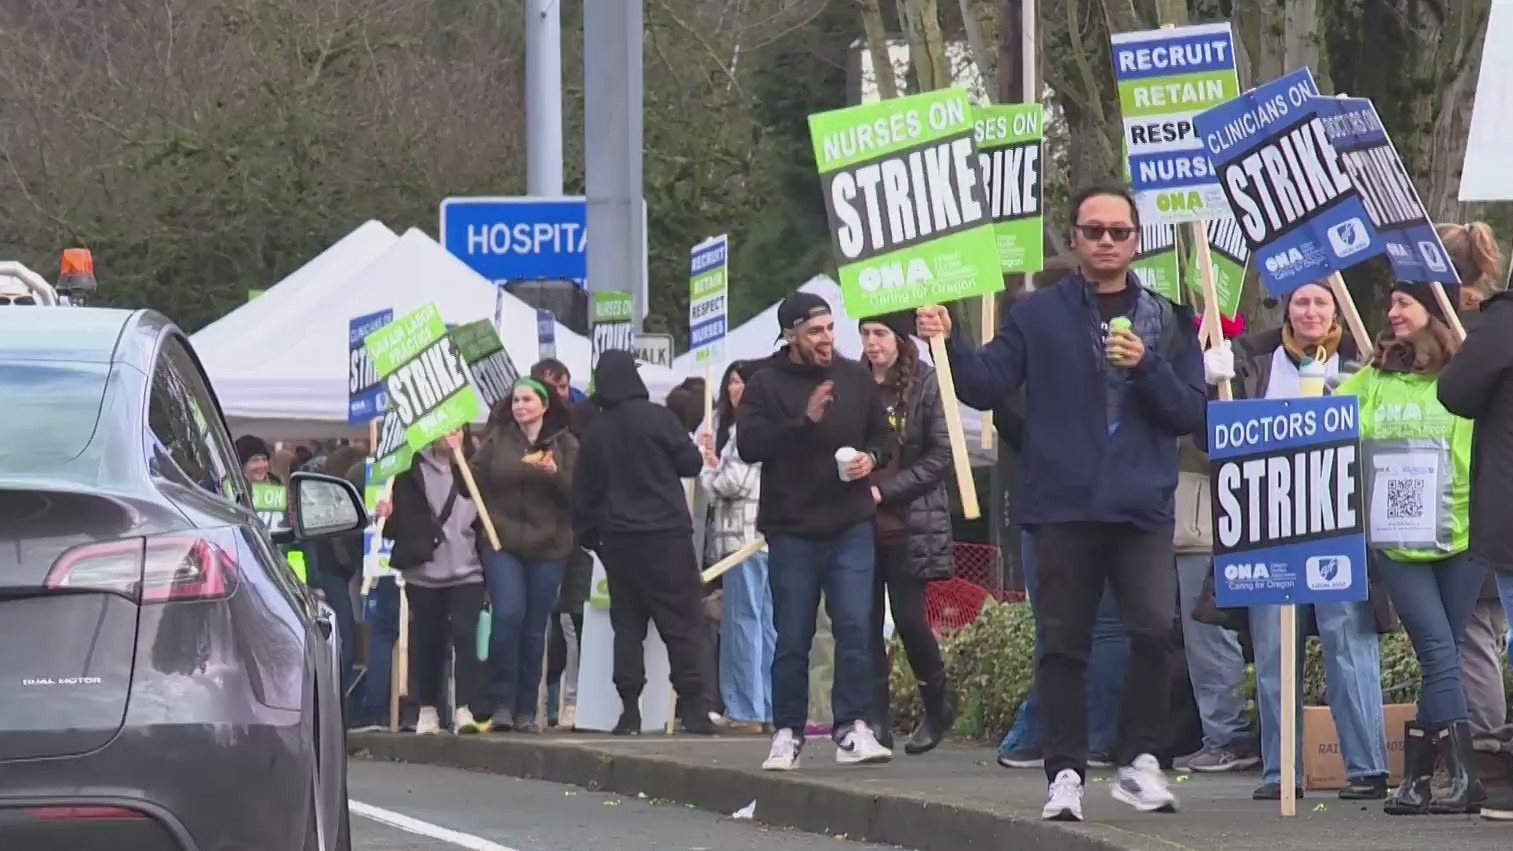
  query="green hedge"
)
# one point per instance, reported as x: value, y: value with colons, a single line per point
x: 989, y: 665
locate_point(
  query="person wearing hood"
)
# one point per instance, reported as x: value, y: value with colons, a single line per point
x: 1114, y: 376
x: 629, y: 506
x: 524, y: 470
x: 815, y: 422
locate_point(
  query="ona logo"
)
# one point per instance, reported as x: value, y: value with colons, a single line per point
x: 1241, y: 572
x: 1283, y: 260
x: 909, y: 273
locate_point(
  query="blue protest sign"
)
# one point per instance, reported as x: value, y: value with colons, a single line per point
x: 366, y: 399
x: 546, y: 334
x: 1286, y: 184
x: 1392, y: 203
x: 1287, y: 520
x: 513, y: 239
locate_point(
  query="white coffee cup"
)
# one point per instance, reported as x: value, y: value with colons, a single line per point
x: 843, y: 458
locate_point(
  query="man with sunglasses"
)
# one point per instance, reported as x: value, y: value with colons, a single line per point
x: 1113, y: 376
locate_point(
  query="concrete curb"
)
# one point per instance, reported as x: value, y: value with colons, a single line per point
x: 788, y: 800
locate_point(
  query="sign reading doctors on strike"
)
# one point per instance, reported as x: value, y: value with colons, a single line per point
x: 1392, y: 203
x: 1287, y: 184
x: 1287, y: 520
x: 910, y: 222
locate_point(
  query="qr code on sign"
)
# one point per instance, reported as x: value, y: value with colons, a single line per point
x: 1405, y: 499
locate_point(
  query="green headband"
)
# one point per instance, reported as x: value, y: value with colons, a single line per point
x: 535, y: 386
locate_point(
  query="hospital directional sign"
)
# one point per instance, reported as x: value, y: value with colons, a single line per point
x: 518, y: 238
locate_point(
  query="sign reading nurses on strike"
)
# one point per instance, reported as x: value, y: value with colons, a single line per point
x: 910, y: 219
x: 1287, y: 184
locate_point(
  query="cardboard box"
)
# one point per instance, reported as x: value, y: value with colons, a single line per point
x: 1324, y: 767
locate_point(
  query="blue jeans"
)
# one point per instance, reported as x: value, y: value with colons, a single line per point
x: 338, y: 595
x: 1215, y: 664
x: 1435, y: 600
x: 1105, y: 672
x: 522, y: 595
x: 747, y: 642
x: 1353, y: 681
x: 381, y: 611
x: 799, y: 569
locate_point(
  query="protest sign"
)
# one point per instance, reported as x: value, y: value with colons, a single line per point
x: 1008, y: 141
x: 611, y: 317
x: 392, y: 455
x: 375, y: 561
x: 1229, y: 255
x: 1392, y: 203
x: 910, y: 222
x: 271, y: 502
x: 546, y: 334
x: 1287, y: 511
x: 494, y: 374
x: 708, y: 299
x: 1155, y: 263
x: 424, y: 376
x: 365, y: 394
x: 1287, y: 185
x: 906, y: 201
x: 1165, y: 77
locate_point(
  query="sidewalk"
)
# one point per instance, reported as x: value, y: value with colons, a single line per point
x: 955, y: 798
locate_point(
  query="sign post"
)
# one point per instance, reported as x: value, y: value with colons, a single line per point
x: 1288, y: 526
x: 906, y: 235
x: 654, y: 349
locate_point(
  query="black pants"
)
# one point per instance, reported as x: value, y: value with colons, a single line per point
x: 894, y: 576
x: 655, y: 578
x: 1073, y: 562
x: 435, y: 615
x: 556, y: 646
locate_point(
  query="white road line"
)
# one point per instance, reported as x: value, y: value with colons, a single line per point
x: 425, y: 828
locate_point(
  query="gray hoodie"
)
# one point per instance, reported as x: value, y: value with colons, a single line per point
x: 455, y: 561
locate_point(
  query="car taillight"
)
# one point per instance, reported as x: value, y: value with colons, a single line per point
x: 84, y: 814
x: 160, y: 569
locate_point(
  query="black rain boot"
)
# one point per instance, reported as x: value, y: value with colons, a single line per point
x: 938, y: 717
x: 1465, y: 794
x: 630, y: 715
x: 1419, y: 749
x: 695, y: 719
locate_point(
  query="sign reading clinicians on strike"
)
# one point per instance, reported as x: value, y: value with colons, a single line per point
x: 1287, y: 522
x: 910, y: 222
x: 1287, y: 184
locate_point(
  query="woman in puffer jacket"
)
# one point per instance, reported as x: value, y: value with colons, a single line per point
x: 913, y: 522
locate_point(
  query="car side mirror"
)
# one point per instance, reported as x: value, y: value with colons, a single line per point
x: 324, y: 506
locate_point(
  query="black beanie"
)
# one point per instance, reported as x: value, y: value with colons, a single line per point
x: 899, y: 322
x: 1424, y: 294
x: 249, y: 445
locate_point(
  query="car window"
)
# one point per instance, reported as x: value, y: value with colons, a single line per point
x: 51, y: 411
x: 181, y: 414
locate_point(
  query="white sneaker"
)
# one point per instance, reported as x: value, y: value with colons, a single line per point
x: 429, y: 723
x: 1143, y: 786
x: 860, y: 746
x: 463, y: 723
x: 1064, y: 800
x: 784, y: 755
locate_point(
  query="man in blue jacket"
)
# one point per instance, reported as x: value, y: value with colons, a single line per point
x: 1113, y: 376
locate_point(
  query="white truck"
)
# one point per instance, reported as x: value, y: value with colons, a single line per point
x: 76, y: 282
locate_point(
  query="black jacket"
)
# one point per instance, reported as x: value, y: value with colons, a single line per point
x: 924, y: 461
x: 629, y: 478
x: 802, y: 493
x: 1477, y: 385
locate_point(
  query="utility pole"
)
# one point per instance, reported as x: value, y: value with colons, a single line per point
x: 612, y: 35
x: 543, y: 98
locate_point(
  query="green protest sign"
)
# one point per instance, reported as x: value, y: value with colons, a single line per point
x: 908, y: 209
x: 1155, y: 264
x: 271, y: 502
x: 494, y: 374
x: 1229, y: 254
x: 393, y: 455
x: 1008, y: 148
x: 425, y: 378
x: 376, y: 550
x: 612, y: 315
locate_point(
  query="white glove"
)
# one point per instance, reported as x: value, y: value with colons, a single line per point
x: 1219, y: 363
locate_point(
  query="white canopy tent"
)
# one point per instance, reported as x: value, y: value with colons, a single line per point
x: 284, y: 376
x: 757, y: 338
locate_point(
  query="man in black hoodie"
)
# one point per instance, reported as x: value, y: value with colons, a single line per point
x: 629, y: 507
x: 795, y: 416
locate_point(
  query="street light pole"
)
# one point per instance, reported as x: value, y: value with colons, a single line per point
x: 543, y: 98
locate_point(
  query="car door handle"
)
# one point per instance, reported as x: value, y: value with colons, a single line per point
x: 324, y: 619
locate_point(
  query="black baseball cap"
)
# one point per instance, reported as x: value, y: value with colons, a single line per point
x: 798, y: 309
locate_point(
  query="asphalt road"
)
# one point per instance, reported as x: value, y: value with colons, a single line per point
x: 397, y: 807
